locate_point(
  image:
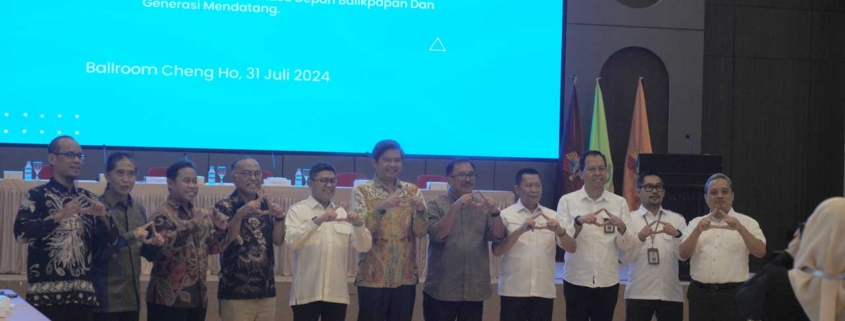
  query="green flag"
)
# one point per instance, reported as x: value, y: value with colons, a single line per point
x: 598, y: 135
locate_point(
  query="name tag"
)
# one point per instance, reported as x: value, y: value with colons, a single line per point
x: 609, y: 229
x: 653, y: 256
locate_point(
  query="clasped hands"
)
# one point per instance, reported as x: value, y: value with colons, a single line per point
x: 403, y: 198
x: 594, y: 219
x: 531, y: 224
x: 74, y: 207
x: 478, y: 200
x: 650, y: 229
x: 330, y: 215
x: 731, y: 223
x: 142, y: 234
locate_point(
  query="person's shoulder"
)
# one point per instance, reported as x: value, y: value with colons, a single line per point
x: 610, y: 196
x: 510, y: 210
x: 363, y: 186
x: 410, y: 186
x: 743, y: 217
x: 299, y: 205
x: 573, y: 195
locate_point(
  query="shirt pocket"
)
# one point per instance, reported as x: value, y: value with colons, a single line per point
x: 342, y: 234
x: 668, y: 243
x: 733, y: 242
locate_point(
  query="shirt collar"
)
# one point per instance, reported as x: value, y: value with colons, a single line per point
x: 53, y: 183
x: 584, y: 195
x: 177, y: 205
x: 312, y: 203
x: 521, y: 207
x: 111, y: 198
x: 730, y: 213
x: 377, y: 182
x: 236, y: 197
x: 645, y: 211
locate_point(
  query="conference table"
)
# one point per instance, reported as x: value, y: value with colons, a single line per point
x: 22, y: 311
x: 13, y: 254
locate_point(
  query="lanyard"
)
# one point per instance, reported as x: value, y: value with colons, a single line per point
x: 646, y: 223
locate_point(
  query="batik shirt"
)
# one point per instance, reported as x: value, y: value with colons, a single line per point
x: 246, y: 271
x: 392, y: 260
x: 59, y: 254
x: 181, y: 264
x: 117, y: 270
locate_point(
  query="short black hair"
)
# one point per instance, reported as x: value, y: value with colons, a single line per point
x: 451, y: 166
x: 53, y: 148
x: 115, y: 157
x: 642, y: 176
x: 386, y: 145
x: 320, y: 167
x: 173, y: 170
x: 243, y: 158
x: 529, y: 171
x: 582, y: 162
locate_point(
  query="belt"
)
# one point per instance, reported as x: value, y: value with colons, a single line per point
x: 716, y: 287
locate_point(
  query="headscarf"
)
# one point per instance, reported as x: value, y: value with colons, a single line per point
x: 817, y: 276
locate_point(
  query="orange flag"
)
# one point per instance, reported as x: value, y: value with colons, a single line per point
x: 639, y: 142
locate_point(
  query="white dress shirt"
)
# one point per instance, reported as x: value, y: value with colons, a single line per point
x: 649, y: 281
x: 528, y: 268
x: 321, y: 253
x: 721, y: 256
x: 596, y: 263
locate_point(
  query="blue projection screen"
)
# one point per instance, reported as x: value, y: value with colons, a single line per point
x: 456, y: 77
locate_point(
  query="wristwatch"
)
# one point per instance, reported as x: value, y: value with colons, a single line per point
x: 495, y: 214
x: 562, y: 234
x: 576, y: 220
x: 279, y: 219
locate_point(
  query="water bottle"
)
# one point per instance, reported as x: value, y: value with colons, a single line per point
x: 27, y: 171
x: 298, y: 178
x: 211, y: 175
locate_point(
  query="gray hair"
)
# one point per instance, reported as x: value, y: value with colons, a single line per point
x: 715, y: 177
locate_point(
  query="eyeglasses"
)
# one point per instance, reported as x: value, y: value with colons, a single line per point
x: 256, y: 174
x: 463, y: 176
x: 651, y: 188
x: 327, y: 181
x: 71, y: 155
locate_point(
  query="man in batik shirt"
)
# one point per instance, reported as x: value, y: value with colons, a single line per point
x: 247, y: 286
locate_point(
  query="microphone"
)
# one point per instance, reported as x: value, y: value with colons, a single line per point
x: 689, y: 144
x: 273, y: 158
x: 104, y: 155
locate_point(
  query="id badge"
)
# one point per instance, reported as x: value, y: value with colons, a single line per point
x: 609, y: 229
x: 653, y: 256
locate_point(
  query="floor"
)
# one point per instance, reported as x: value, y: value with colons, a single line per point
x: 18, y: 283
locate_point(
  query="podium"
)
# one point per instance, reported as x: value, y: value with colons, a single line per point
x: 683, y: 177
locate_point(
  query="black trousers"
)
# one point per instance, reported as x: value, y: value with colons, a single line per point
x: 708, y: 305
x: 525, y: 309
x: 320, y: 310
x: 157, y: 312
x: 595, y: 304
x: 436, y: 310
x: 644, y: 310
x: 386, y: 304
x: 69, y: 312
x: 118, y: 316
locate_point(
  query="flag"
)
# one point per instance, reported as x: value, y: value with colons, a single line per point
x: 598, y: 135
x: 571, y: 144
x: 639, y: 142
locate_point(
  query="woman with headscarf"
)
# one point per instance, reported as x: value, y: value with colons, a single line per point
x: 819, y: 270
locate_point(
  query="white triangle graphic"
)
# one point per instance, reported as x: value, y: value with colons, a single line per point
x: 437, y: 45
